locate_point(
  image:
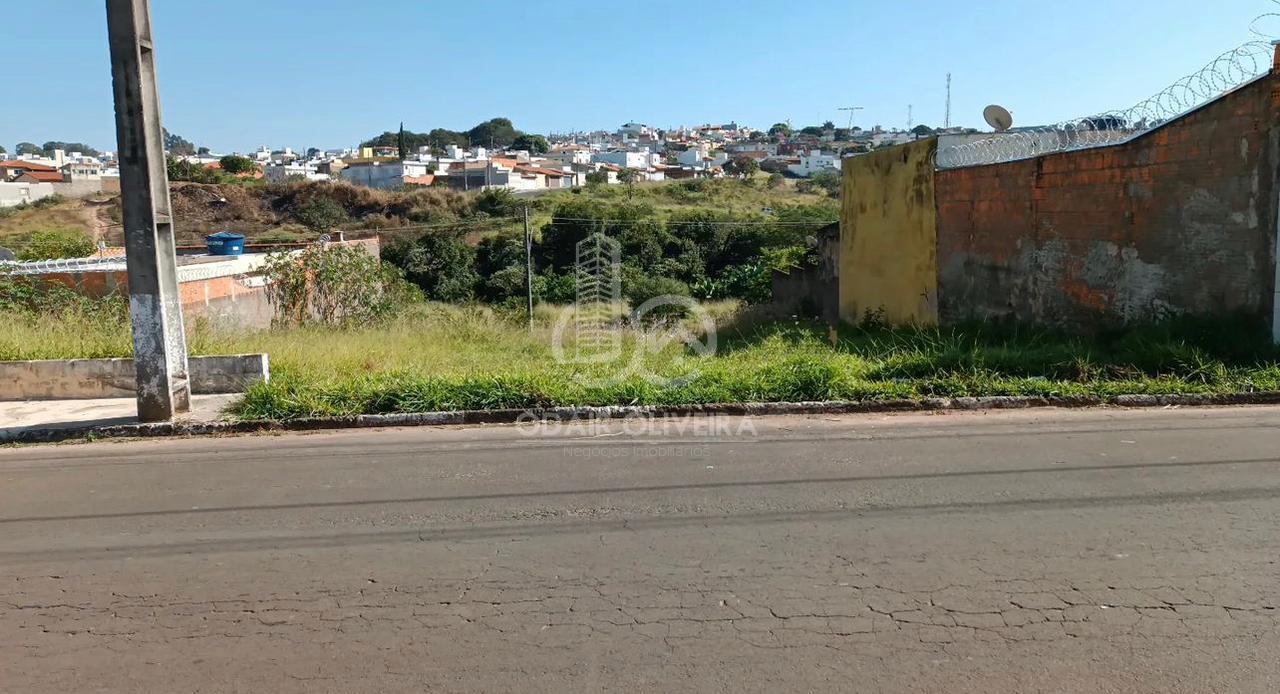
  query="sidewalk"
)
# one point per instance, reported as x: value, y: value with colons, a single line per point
x: 18, y: 416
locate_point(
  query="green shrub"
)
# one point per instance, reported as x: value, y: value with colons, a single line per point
x: 441, y: 264
x: 497, y: 202
x: 554, y: 288
x: 335, y: 285
x: 50, y: 243
x: 322, y: 214
x: 751, y: 282
x: 639, y: 288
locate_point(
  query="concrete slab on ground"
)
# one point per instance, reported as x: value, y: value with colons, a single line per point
x: 16, y: 416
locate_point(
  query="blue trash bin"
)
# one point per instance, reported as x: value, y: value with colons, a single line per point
x: 225, y: 243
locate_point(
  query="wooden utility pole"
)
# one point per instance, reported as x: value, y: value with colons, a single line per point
x: 528, y: 267
x: 159, y: 344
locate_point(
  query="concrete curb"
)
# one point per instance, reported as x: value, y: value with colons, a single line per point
x: 516, y: 416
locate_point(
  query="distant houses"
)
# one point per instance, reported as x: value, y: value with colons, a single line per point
x: 574, y: 159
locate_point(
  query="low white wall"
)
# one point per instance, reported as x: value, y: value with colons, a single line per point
x: 12, y: 194
x: 79, y: 379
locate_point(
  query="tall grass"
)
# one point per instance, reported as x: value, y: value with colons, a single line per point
x: 441, y: 357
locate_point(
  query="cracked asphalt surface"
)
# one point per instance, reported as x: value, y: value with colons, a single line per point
x: 1099, y: 551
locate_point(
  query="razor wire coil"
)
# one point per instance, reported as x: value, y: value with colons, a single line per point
x: 1227, y: 72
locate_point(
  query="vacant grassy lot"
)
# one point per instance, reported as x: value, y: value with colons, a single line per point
x: 17, y: 224
x: 446, y: 357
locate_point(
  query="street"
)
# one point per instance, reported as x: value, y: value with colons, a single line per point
x: 1050, y: 550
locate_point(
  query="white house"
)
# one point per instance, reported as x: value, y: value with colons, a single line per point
x: 276, y: 173
x: 813, y: 162
x: 569, y: 155
x: 700, y: 157
x: 627, y: 160
x: 634, y: 131
x: 82, y: 171
x: 388, y: 175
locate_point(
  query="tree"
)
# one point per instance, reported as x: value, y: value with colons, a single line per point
x: 597, y: 178
x: 81, y: 147
x: 441, y: 264
x: 828, y: 125
x: 176, y: 144
x: 411, y: 139
x: 441, y: 138
x: 629, y: 177
x: 922, y: 130
x: 28, y: 148
x: 775, y: 181
x: 741, y: 166
x: 496, y: 132
x: 773, y: 166
x: 234, y: 164
x: 813, y: 130
x: 183, y: 170
x: 780, y: 130
x: 535, y: 144
x: 203, y: 151
x: 2, y: 149
x: 313, y: 152
x: 402, y: 147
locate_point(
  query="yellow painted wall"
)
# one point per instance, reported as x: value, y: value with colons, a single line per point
x: 888, y: 235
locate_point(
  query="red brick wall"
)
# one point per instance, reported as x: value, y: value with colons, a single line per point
x: 1181, y: 219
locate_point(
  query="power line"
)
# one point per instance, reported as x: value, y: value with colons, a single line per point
x: 677, y: 222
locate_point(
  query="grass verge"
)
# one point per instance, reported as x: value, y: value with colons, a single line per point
x: 449, y: 358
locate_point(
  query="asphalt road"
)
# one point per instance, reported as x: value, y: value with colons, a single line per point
x: 1089, y: 551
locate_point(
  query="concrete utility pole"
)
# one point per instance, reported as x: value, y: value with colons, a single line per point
x: 159, y: 344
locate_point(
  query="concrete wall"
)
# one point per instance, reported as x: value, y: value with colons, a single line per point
x: 813, y: 290
x: 78, y: 188
x: 12, y: 194
x: 1181, y: 219
x: 229, y: 293
x: 76, y: 379
x: 888, y: 241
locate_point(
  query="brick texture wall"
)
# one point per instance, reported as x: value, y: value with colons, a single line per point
x: 1181, y: 219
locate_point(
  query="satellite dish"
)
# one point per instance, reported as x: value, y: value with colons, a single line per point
x: 998, y: 117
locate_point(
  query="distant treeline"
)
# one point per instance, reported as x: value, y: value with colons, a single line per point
x: 496, y: 132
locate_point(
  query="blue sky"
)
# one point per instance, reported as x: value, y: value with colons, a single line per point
x: 235, y: 74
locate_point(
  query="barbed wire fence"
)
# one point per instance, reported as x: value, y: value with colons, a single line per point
x: 1227, y: 72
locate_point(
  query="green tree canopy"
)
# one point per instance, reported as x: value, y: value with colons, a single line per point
x: 234, y: 164
x: 744, y: 167
x: 81, y: 147
x: 28, y: 148
x: 54, y: 242
x: 535, y: 144
x: 176, y: 144
x: 496, y: 132
x: 441, y: 264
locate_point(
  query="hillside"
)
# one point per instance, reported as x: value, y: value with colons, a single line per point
x: 301, y: 211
